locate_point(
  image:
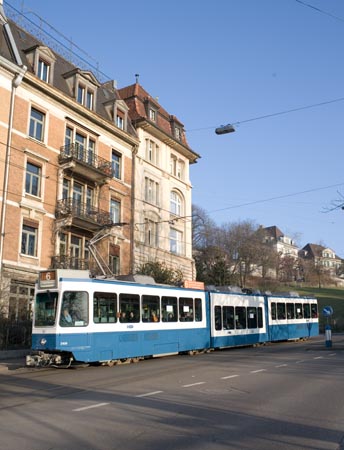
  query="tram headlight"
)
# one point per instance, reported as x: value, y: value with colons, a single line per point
x: 43, y: 341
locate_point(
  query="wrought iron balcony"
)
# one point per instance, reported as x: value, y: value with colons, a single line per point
x: 83, y: 215
x: 85, y: 162
x: 69, y: 262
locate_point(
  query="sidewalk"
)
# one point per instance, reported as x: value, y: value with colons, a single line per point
x: 12, y: 359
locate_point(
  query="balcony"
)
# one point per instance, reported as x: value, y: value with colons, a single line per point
x: 85, y: 163
x: 83, y: 215
x: 69, y: 262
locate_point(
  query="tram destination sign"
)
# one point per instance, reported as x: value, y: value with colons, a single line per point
x: 47, y: 279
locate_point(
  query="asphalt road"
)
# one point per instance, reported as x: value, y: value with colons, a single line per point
x: 281, y: 396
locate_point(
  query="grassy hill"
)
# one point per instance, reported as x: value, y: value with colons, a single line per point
x: 327, y: 297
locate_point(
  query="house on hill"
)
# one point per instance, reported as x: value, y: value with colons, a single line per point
x: 321, y: 256
x: 283, y: 245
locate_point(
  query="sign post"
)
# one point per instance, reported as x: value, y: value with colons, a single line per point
x: 327, y: 312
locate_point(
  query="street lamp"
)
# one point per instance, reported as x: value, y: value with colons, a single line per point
x: 224, y: 129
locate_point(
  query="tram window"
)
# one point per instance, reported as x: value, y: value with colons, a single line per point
x: 45, y: 309
x: 129, y: 306
x: 169, y: 309
x: 198, y: 310
x: 251, y: 317
x: 298, y: 310
x: 281, y: 311
x: 273, y: 311
x: 74, y: 309
x: 306, y: 310
x: 104, y: 307
x: 260, y: 317
x: 218, y: 318
x: 314, y: 310
x: 228, y: 317
x: 240, y: 317
x: 150, y: 308
x: 186, y: 309
x: 290, y: 310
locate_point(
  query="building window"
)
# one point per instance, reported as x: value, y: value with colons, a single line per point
x: 177, y: 167
x: 151, y: 233
x: 33, y: 179
x: 175, y: 204
x: 176, y: 241
x: 43, y: 70
x: 151, y: 191
x: 152, y: 152
x: 178, y: 133
x: 152, y: 115
x: 29, y: 239
x: 115, y: 211
x: 114, y: 263
x: 120, y: 122
x: 36, y: 130
x: 20, y: 301
x: 85, y: 96
x: 116, y: 164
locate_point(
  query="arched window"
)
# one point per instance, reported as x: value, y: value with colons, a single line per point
x: 176, y: 203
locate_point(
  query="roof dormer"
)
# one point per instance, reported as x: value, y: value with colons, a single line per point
x: 42, y: 61
x: 118, y: 113
x: 83, y: 87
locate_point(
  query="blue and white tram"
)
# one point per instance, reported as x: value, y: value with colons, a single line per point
x: 237, y: 319
x: 83, y: 319
x: 292, y: 317
x: 77, y: 318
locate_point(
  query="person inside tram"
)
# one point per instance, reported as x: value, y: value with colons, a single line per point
x: 131, y: 317
x: 154, y: 317
x: 123, y: 317
x: 66, y: 318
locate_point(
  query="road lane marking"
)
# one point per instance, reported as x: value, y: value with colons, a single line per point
x: 332, y: 354
x: 147, y: 394
x: 193, y: 384
x: 318, y: 357
x: 281, y: 365
x: 301, y: 361
x: 229, y: 376
x: 257, y: 371
x: 98, y: 405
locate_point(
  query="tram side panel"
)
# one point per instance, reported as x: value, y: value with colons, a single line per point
x: 237, y: 319
x: 292, y: 317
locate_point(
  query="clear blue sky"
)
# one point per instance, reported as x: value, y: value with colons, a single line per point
x: 229, y: 61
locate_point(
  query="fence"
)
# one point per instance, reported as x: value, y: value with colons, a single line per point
x: 15, y: 334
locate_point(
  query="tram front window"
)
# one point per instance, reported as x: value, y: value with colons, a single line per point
x: 74, y: 309
x: 45, y: 309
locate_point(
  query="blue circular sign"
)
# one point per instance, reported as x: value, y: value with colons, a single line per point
x: 328, y: 311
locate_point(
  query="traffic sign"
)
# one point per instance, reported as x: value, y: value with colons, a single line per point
x: 328, y: 311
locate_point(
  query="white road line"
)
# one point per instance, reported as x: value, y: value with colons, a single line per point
x: 193, y: 384
x: 98, y: 405
x: 332, y: 354
x: 149, y: 393
x: 257, y: 371
x: 318, y: 357
x: 229, y: 376
x: 281, y: 365
x: 301, y: 361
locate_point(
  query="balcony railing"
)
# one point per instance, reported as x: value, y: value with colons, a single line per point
x: 79, y: 153
x: 82, y: 211
x: 69, y: 262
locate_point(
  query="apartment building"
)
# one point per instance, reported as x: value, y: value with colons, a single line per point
x: 162, y: 210
x: 66, y: 168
